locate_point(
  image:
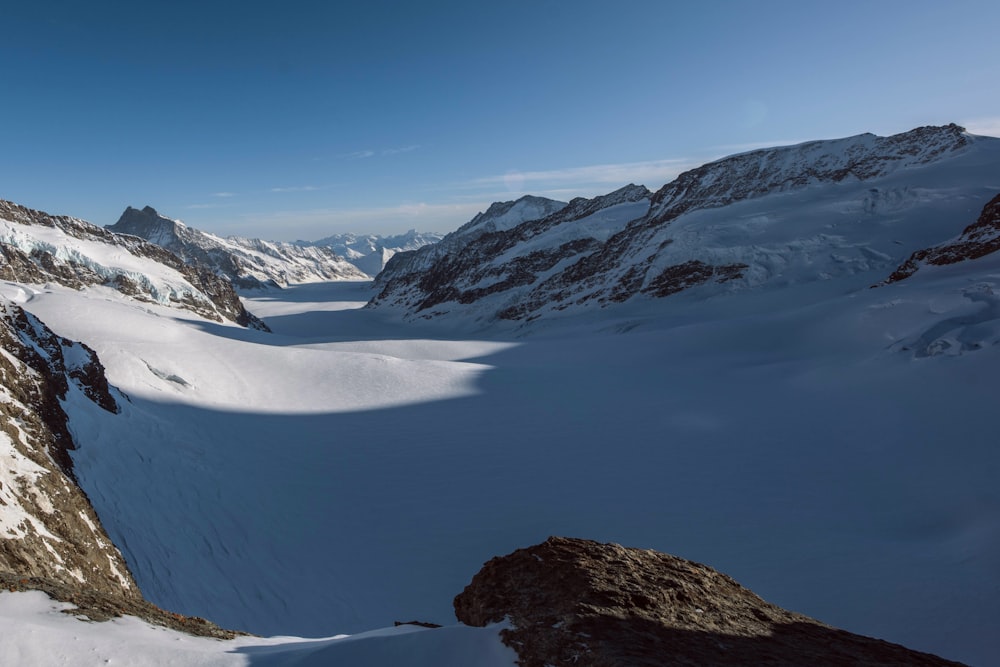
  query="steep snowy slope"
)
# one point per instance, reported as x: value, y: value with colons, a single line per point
x: 815, y: 211
x: 47, y: 526
x: 370, y: 252
x: 38, y: 248
x: 248, y: 263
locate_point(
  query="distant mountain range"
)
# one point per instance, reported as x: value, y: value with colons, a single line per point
x: 370, y: 252
x: 248, y: 263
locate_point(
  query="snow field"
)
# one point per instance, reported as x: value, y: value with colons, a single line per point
x: 37, y: 632
x: 346, y: 472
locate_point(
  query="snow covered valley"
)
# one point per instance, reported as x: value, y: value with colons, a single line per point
x: 347, y: 470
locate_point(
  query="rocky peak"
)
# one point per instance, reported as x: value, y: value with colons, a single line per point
x: 150, y: 225
x: 586, y: 604
x: 505, y: 215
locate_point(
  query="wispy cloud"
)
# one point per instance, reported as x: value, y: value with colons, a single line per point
x: 367, y: 153
x: 651, y: 172
x: 729, y: 149
x: 205, y: 206
x: 402, y: 149
x: 315, y: 223
x: 989, y: 127
x: 298, y: 188
x: 223, y: 194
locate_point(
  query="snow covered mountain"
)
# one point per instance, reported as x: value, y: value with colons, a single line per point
x: 815, y: 211
x: 370, y: 252
x: 248, y: 263
x: 36, y: 247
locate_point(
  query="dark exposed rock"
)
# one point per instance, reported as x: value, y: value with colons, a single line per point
x: 422, y: 624
x: 216, y: 299
x: 979, y: 239
x: 579, y: 603
x: 47, y: 527
x: 680, y: 277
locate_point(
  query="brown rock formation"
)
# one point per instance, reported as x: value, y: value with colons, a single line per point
x: 979, y: 239
x: 579, y: 603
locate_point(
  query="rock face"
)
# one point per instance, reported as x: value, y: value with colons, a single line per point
x: 47, y: 526
x: 581, y: 603
x: 247, y: 263
x: 979, y: 239
x: 36, y: 247
x: 635, y: 244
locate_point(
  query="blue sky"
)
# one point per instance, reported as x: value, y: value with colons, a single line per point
x: 297, y: 120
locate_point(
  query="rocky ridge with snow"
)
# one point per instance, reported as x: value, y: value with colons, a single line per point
x: 47, y: 526
x: 681, y: 237
x: 247, y: 263
x: 405, y: 268
x: 579, y: 602
x: 38, y: 248
x: 979, y: 239
x: 371, y: 252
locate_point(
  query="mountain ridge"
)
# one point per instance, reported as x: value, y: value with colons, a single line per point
x: 247, y: 263
x: 652, y: 255
x: 36, y: 247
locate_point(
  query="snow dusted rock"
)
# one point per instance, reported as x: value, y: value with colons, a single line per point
x: 633, y: 244
x: 248, y: 263
x: 581, y: 603
x: 36, y: 247
x: 47, y: 526
x: 371, y: 252
x: 506, y: 250
x: 404, y: 269
x: 979, y: 239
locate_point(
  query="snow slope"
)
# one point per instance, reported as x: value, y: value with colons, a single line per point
x: 346, y: 471
x: 37, y: 632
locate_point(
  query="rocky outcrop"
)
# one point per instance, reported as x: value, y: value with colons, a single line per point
x: 572, y: 602
x: 33, y: 258
x: 979, y: 239
x: 47, y: 526
x: 565, y: 260
x: 50, y: 537
x: 247, y: 263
